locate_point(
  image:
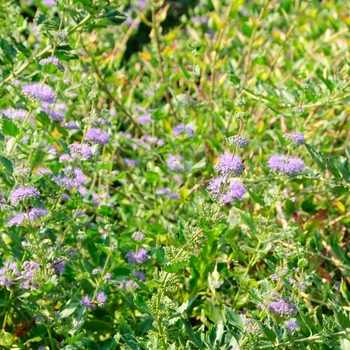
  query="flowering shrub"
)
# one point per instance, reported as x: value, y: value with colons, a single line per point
x: 174, y: 175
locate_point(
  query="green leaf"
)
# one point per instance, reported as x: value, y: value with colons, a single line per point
x: 73, y: 339
x: 78, y: 321
x: 180, y: 310
x: 327, y: 82
x: 142, y: 306
x: 69, y: 310
x: 256, y: 198
x: 9, y: 128
x: 234, y: 318
x: 247, y: 219
x: 201, y: 164
x: 6, y: 339
x: 160, y: 256
x: 64, y: 146
x: 151, y: 176
x: 7, y: 164
x: 341, y: 316
x: 193, y: 337
x: 102, y: 248
x: 115, y: 17
x: 43, y: 118
x: 317, y: 157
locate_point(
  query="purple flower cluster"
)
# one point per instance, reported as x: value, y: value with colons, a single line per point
x: 282, y: 307
x: 71, y: 125
x: 15, y: 113
x: 284, y: 165
x: 98, y: 136
x: 89, y: 304
x: 164, y: 191
x: 53, y: 60
x: 226, y: 191
x: 237, y: 140
x: 131, y: 284
x: 144, y: 115
x: 146, y: 142
x: 295, y: 137
x: 80, y: 151
x: 292, y: 326
x: 185, y: 129
x: 130, y: 162
x: 7, y: 274
x: 250, y: 325
x: 39, y: 93
x: 229, y: 165
x: 23, y: 193
x: 86, y: 301
x: 56, y: 113
x: 58, y: 266
x: 138, y: 236
x: 29, y: 270
x: 175, y: 163
x: 73, y: 179
x: 101, y: 299
x: 138, y: 257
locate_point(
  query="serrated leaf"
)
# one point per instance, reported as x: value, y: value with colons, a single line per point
x: 9, y: 128
x: 114, y: 17
x: 234, y: 318
x: 7, y: 164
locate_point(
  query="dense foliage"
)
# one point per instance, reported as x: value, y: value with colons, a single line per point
x: 174, y: 174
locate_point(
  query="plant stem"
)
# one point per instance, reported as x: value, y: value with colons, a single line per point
x: 155, y: 27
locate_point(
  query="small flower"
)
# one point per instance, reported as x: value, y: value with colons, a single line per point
x: 140, y: 275
x: 71, y: 125
x: 43, y: 171
x: 53, y: 60
x: 292, y: 326
x: 283, y: 165
x: 107, y: 276
x: 23, y: 193
x: 97, y: 135
x: 138, y: 236
x: 16, y: 220
x: 7, y: 274
x: 96, y: 271
x: 237, y: 140
x: 139, y: 257
x: 282, y: 307
x: 58, y: 266
x: 130, y: 162
x: 233, y: 218
x: 73, y: 179
x: 101, y: 299
x: 295, y: 137
x: 175, y: 163
x: 250, y: 325
x: 143, y: 119
x: 185, y: 129
x: 80, y: 151
x: 229, y: 165
x: 29, y: 270
x: 234, y: 190
x: 39, y: 93
x: 56, y: 113
x: 35, y: 213
x: 173, y: 195
x: 85, y: 301
x: 48, y: 3
x: 161, y: 191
